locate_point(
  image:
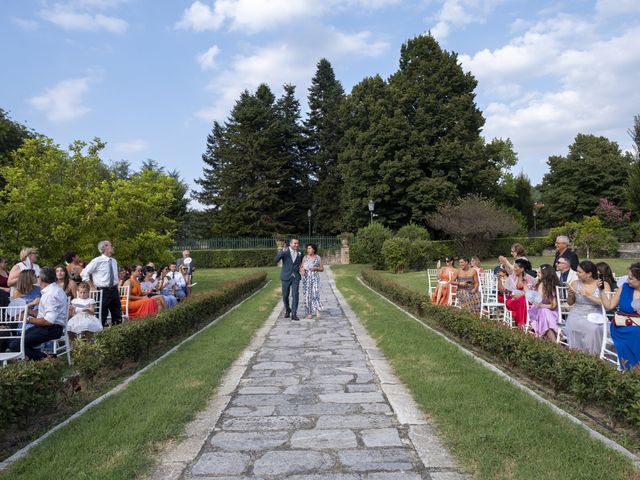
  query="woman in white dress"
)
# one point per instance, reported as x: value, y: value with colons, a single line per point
x: 84, y: 321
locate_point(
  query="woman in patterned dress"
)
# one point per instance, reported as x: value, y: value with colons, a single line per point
x: 468, y: 293
x: 310, y: 269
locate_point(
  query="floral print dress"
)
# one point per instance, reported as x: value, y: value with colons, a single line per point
x: 311, y: 285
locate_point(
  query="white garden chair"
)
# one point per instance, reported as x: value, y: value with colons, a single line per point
x: 97, y: 296
x: 563, y: 312
x: 432, y: 279
x: 123, y: 291
x: 608, y: 350
x: 490, y: 306
x: 12, y: 327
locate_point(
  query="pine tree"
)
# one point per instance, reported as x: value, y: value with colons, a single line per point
x: 324, y: 132
x: 245, y: 177
x: 633, y: 182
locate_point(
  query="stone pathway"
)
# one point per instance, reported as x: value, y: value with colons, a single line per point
x: 317, y: 401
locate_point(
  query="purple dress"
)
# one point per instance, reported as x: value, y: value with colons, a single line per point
x: 543, y: 319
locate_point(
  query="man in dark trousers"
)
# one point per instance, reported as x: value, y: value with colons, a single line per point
x: 102, y: 272
x: 290, y: 277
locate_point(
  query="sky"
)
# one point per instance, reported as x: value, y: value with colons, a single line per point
x: 150, y: 77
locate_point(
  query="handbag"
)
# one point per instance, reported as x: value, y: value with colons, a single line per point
x: 626, y: 320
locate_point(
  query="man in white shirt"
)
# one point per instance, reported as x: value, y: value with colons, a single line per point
x: 102, y: 272
x: 52, y: 317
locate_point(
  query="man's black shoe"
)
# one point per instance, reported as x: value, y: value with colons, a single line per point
x: 287, y: 314
x: 295, y: 317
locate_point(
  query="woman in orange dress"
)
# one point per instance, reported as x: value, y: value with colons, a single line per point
x: 440, y: 295
x: 140, y: 305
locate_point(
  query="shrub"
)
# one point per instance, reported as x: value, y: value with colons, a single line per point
x: 232, y: 258
x: 396, y: 253
x: 585, y: 377
x: 370, y: 241
x: 357, y: 254
x: 132, y: 340
x: 413, y: 232
x: 26, y: 387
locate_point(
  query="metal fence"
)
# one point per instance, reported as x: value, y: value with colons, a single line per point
x: 234, y: 243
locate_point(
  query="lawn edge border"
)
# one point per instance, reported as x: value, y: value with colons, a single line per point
x: 593, y: 433
x: 4, y: 465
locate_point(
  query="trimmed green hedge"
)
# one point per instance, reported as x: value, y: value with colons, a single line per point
x: 26, y: 387
x: 131, y: 340
x: 585, y: 377
x: 258, y: 257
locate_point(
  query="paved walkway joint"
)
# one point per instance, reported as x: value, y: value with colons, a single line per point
x: 311, y: 400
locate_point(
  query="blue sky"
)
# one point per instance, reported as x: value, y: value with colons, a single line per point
x: 149, y: 77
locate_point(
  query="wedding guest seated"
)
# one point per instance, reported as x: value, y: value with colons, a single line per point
x: 625, y: 328
x: 182, y: 282
x: 563, y: 251
x: 83, y: 321
x: 141, y: 305
x: 609, y: 284
x: 440, y: 295
x: 564, y: 272
x: 468, y: 287
x: 50, y: 320
x: 543, y: 313
x: 4, y: 286
x: 517, y: 251
x: 74, y: 266
x: 166, y: 285
x: 27, y: 290
x: 518, y: 283
x: 476, y: 264
x: 585, y: 319
x: 150, y: 286
x: 65, y: 283
x: 28, y: 259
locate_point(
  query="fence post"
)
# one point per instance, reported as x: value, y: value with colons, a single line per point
x: 344, y: 251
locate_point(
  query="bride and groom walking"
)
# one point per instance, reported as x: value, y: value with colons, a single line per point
x: 297, y: 267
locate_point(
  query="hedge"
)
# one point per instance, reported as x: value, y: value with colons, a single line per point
x: 26, y: 387
x: 257, y: 257
x: 132, y: 340
x: 588, y: 379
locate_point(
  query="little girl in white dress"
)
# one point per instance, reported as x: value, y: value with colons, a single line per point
x: 84, y: 322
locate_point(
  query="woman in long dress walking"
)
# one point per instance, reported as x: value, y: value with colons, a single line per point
x: 310, y: 269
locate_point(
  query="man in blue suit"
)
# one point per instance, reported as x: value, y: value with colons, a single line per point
x: 290, y: 276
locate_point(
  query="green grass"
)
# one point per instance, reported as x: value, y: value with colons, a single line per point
x: 118, y: 438
x: 211, y: 278
x: 495, y: 430
x: 418, y: 280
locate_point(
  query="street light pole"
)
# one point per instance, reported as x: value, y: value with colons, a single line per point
x: 371, y: 205
x: 309, y: 217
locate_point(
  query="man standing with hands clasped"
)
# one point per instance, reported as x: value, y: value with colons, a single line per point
x: 290, y: 276
x: 102, y: 271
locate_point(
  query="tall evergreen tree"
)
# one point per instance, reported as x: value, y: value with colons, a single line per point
x: 244, y: 179
x: 324, y: 132
x: 594, y: 168
x: 633, y: 182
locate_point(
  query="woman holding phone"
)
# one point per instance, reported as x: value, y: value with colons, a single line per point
x: 468, y: 291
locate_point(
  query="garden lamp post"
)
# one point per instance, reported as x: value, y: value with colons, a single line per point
x: 372, y: 205
x: 309, y: 217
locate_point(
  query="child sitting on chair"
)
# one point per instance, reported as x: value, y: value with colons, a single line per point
x: 84, y: 322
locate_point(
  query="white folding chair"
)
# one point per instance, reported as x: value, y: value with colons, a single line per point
x: 123, y: 291
x: 563, y: 312
x: 12, y: 327
x: 453, y: 298
x: 432, y: 279
x: 97, y: 296
x: 608, y: 350
x: 490, y: 307
x: 62, y: 344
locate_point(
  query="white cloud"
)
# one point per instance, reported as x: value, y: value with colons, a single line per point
x: 132, y: 146
x: 70, y: 18
x: 560, y: 78
x: 617, y: 7
x: 207, y: 60
x: 63, y: 102
x: 286, y: 62
x: 459, y: 13
x: 199, y: 17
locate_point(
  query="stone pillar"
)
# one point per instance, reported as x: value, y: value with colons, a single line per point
x: 279, y: 245
x: 344, y: 252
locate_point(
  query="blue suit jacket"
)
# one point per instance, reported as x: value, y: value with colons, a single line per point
x: 290, y: 269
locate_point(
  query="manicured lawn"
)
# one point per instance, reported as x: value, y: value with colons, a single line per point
x: 418, y: 280
x: 118, y: 438
x: 495, y: 430
x: 210, y: 278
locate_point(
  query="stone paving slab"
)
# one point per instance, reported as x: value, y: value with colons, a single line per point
x: 313, y: 400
